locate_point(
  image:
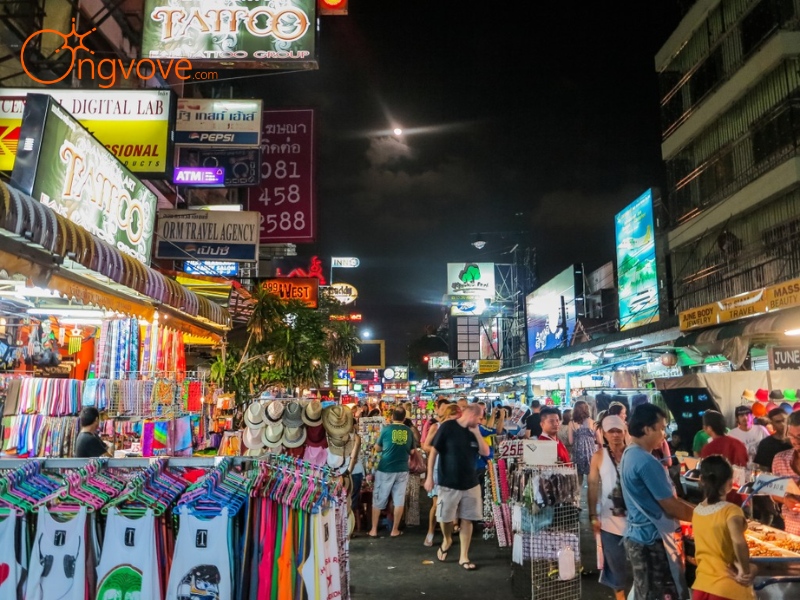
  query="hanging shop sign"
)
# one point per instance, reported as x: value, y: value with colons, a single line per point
x: 471, y: 279
x: 304, y: 289
x: 241, y: 165
x: 750, y: 304
x: 552, y: 311
x: 784, y: 357
x: 237, y: 33
x: 489, y: 366
x: 61, y: 164
x: 286, y: 194
x: 636, y: 263
x: 344, y: 262
x: 439, y: 363
x: 343, y: 292
x: 207, y: 235
x: 212, y: 268
x: 199, y: 176
x: 226, y: 123
x: 134, y: 125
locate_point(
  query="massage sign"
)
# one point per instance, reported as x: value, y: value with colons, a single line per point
x: 61, y: 164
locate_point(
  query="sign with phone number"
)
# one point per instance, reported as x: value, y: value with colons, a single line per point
x: 286, y: 195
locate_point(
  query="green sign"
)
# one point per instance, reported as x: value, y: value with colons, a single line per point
x: 252, y: 32
x: 357, y: 387
x: 63, y: 166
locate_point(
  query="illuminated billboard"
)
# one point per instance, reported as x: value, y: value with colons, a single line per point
x: 472, y: 280
x: 637, y: 275
x: 545, y: 324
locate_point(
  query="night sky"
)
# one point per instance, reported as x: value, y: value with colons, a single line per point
x: 539, y: 117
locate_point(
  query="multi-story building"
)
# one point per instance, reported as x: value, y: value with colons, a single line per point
x: 730, y: 107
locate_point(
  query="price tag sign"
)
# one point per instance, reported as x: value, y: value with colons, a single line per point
x: 286, y: 194
x: 510, y: 449
x: 775, y: 488
x: 540, y: 452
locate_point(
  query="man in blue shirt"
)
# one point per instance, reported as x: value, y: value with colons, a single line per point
x: 652, y: 510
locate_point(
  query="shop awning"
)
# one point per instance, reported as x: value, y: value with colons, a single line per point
x: 765, y: 326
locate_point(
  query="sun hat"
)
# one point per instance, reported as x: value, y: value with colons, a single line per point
x: 254, y: 415
x: 274, y: 411
x: 272, y: 435
x: 315, y: 436
x: 335, y: 461
x: 293, y: 415
x: 776, y: 395
x: 252, y: 438
x: 762, y: 395
x: 340, y: 445
x: 312, y: 414
x: 613, y: 422
x: 338, y: 420
x: 749, y: 395
x: 743, y: 410
x: 293, y: 437
x: 790, y: 395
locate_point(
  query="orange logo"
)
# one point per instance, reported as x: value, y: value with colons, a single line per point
x: 108, y: 70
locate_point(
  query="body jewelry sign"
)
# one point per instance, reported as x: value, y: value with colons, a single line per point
x: 208, y: 235
x: 63, y: 166
x: 249, y: 33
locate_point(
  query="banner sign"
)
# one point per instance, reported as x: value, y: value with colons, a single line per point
x: 228, y: 123
x: 488, y: 366
x: 540, y: 452
x: 61, y: 164
x: 749, y: 304
x: 286, y: 195
x: 305, y: 289
x: 241, y: 165
x: 207, y: 235
x: 134, y: 125
x: 636, y: 263
x: 247, y: 33
x: 212, y: 268
x: 199, y: 176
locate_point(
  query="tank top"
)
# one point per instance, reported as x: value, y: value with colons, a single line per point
x: 608, y: 479
x: 58, y: 558
x: 128, y: 561
x: 201, y: 564
x: 10, y: 568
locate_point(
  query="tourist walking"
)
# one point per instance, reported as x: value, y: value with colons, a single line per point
x: 582, y: 438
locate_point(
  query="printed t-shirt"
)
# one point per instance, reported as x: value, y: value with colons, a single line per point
x: 62, y: 546
x: 644, y: 479
x: 750, y: 438
x: 128, y: 561
x: 767, y: 450
x: 714, y: 551
x: 10, y: 568
x: 458, y: 451
x: 396, y: 441
x: 89, y: 445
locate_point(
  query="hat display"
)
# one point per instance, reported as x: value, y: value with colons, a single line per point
x: 274, y: 411
x: 312, y: 415
x: 762, y: 395
x: 613, y: 422
x: 776, y: 395
x: 338, y: 420
x: 743, y: 410
x: 254, y: 415
x: 787, y: 408
x: 335, y: 461
x: 272, y: 435
x: 749, y: 395
x: 293, y: 437
x: 771, y: 406
x: 252, y: 438
x: 760, y: 409
x: 315, y: 436
x: 340, y: 445
x: 790, y: 395
x: 293, y: 415
x: 796, y: 406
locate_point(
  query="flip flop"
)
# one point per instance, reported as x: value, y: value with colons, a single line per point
x: 468, y: 566
x: 441, y: 554
x: 396, y: 536
x: 374, y: 537
x: 428, y: 540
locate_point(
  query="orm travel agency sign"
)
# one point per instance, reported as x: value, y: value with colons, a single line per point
x: 249, y: 33
x: 60, y: 164
x: 228, y: 235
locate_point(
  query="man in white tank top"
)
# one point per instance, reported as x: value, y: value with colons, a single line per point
x: 606, y: 507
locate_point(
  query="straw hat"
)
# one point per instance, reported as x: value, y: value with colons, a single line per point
x: 312, y: 415
x: 254, y: 415
x: 315, y: 436
x: 273, y: 435
x: 274, y: 411
x: 749, y: 395
x: 293, y: 415
x: 252, y: 438
x: 293, y: 437
x: 338, y: 420
x: 340, y: 445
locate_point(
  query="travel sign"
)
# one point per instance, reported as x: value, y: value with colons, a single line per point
x: 61, y: 164
x: 240, y: 33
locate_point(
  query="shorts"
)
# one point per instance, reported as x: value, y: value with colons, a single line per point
x: 389, y: 484
x: 459, y: 504
x: 615, y: 565
x: 652, y: 577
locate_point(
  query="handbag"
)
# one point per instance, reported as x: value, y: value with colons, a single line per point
x: 416, y: 464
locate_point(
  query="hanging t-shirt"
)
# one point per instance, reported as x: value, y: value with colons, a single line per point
x: 10, y: 568
x: 58, y: 561
x: 128, y: 567
x: 201, y: 564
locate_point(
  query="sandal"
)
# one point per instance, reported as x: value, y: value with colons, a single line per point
x: 467, y: 566
x: 428, y: 540
x: 441, y: 554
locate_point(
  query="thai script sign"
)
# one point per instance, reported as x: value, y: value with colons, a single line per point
x: 229, y: 123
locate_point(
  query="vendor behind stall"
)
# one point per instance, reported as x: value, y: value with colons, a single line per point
x: 787, y: 463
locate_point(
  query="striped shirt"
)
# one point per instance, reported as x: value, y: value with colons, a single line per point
x: 782, y: 465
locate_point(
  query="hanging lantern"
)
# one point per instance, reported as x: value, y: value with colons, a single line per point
x: 75, y: 341
x: 669, y: 359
